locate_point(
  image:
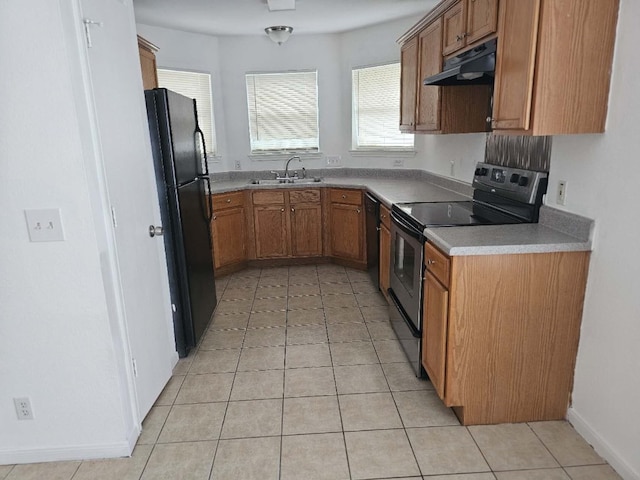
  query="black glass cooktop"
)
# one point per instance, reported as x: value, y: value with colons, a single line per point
x: 449, y: 214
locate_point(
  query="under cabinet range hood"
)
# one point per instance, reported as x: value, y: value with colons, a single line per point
x: 473, y: 67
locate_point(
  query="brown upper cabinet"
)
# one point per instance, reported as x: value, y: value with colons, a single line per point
x: 468, y: 21
x: 553, y: 66
x: 408, y: 78
x: 431, y: 109
x: 147, y: 51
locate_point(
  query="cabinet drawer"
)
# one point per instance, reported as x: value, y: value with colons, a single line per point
x: 304, y: 196
x: 227, y: 200
x: 268, y: 197
x: 351, y: 197
x: 437, y: 263
x: 385, y: 217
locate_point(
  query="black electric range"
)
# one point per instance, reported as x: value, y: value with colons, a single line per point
x: 501, y: 196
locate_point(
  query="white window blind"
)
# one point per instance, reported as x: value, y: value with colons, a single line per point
x: 283, y: 111
x: 198, y: 86
x: 376, y: 109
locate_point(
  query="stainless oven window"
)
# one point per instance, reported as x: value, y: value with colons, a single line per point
x: 404, y: 263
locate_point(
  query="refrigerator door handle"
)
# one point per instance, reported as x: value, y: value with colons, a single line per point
x: 199, y: 132
x: 209, y: 206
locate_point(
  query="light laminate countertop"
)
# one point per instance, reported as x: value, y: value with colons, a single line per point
x: 556, y: 232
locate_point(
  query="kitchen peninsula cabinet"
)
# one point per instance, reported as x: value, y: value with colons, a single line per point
x: 553, y: 66
x: 287, y: 223
x: 347, y: 226
x: 228, y: 231
x: 500, y: 333
x: 385, y: 250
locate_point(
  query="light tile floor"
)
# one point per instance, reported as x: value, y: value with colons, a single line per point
x: 301, y: 377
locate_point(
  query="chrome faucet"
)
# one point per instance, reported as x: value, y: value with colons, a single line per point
x: 286, y: 167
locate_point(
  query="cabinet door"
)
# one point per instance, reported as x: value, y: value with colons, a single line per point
x: 453, y: 26
x: 270, y: 223
x: 228, y: 233
x: 147, y: 64
x: 385, y: 258
x: 408, y: 84
x: 434, y: 332
x: 347, y: 232
x: 428, y: 110
x: 306, y: 230
x: 482, y: 19
x: 515, y: 62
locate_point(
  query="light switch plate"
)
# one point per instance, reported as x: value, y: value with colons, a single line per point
x: 44, y: 225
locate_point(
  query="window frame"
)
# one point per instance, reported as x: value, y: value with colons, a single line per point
x: 379, y: 150
x: 277, y: 154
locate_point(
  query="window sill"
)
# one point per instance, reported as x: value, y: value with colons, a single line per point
x: 278, y: 157
x: 382, y: 153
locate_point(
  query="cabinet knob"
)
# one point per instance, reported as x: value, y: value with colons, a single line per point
x: 215, y: 217
x: 459, y: 38
x: 358, y: 210
x: 282, y: 209
x: 228, y: 200
x: 344, y: 196
x: 430, y: 262
x: 293, y: 209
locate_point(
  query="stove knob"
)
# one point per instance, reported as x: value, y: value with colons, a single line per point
x: 481, y: 172
x: 514, y: 178
x: 524, y: 181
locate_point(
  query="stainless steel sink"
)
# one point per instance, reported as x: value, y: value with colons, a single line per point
x: 284, y: 181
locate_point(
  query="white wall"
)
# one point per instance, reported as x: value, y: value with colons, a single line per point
x: 55, y: 340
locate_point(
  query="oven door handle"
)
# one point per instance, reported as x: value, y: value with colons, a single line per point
x: 414, y: 331
x: 410, y: 230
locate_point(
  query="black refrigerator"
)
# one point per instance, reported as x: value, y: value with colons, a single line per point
x: 182, y: 177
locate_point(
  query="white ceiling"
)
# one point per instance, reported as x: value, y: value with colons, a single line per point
x: 250, y: 17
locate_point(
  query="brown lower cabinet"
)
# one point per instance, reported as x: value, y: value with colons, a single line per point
x: 347, y: 225
x: 500, y: 333
x: 385, y: 250
x: 287, y: 223
x: 228, y: 230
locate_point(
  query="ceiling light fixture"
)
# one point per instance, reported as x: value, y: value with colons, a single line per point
x: 279, y: 34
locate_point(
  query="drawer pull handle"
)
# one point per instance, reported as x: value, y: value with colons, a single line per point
x: 431, y: 262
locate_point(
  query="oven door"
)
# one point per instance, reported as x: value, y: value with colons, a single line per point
x: 407, y: 246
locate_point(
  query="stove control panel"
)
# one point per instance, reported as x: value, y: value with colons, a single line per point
x: 525, y: 186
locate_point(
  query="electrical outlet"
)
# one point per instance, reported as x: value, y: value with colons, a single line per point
x: 561, y: 197
x: 44, y: 225
x: 238, y: 165
x: 23, y: 408
x: 334, y: 160
x: 398, y: 162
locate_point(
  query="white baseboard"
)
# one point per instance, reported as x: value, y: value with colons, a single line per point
x: 601, y: 446
x: 79, y: 452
